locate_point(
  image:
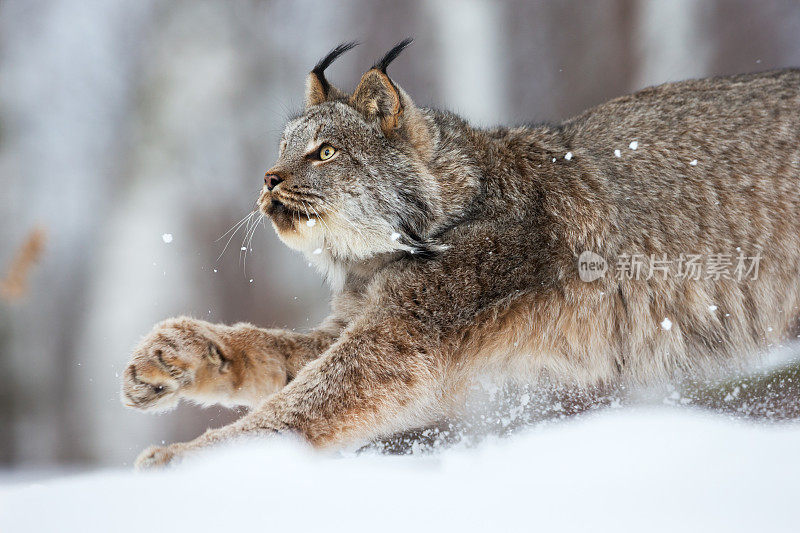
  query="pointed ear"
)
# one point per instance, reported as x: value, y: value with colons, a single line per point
x: 318, y: 90
x: 378, y: 98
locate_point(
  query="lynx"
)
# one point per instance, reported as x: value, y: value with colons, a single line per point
x: 453, y: 251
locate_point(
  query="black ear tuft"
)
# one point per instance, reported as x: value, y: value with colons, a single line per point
x: 392, y: 54
x: 319, y: 68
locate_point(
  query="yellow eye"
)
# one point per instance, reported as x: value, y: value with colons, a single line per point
x: 326, y: 151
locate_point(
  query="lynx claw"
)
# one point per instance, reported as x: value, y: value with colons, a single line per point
x: 156, y: 457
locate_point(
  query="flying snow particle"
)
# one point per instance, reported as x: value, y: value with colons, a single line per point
x: 310, y: 222
x: 666, y: 324
x: 568, y: 156
x: 634, y: 145
x: 617, y: 153
x: 712, y: 308
x: 317, y: 251
x: 251, y: 280
x: 693, y: 162
x: 167, y: 238
x: 554, y: 160
x: 395, y: 236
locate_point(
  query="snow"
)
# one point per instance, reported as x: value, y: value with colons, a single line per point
x: 666, y: 324
x: 317, y: 251
x: 167, y: 238
x: 617, y: 153
x: 568, y: 156
x: 395, y: 236
x: 628, y: 469
x: 311, y: 222
x: 712, y: 308
x: 693, y: 162
x: 634, y: 145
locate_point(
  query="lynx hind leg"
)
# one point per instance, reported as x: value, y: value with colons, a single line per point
x: 180, y: 358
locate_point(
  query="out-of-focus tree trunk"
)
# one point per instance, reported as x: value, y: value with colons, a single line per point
x: 66, y: 71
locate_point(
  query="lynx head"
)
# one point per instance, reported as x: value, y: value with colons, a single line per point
x: 351, y: 180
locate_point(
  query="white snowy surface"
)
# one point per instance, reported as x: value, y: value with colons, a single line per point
x: 619, y: 470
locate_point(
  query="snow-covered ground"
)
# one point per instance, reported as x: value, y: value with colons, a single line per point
x: 629, y: 469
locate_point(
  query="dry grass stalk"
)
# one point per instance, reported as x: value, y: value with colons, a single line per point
x: 15, y: 284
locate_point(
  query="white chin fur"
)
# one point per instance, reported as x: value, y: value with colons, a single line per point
x: 336, y: 238
x: 302, y: 238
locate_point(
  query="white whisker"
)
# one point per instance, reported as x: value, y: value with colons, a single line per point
x: 243, y: 247
x: 238, y: 224
x: 248, y: 240
x: 235, y: 230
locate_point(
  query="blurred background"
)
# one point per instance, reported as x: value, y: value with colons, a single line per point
x: 133, y: 134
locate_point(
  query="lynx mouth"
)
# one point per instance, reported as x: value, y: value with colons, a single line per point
x: 283, y: 216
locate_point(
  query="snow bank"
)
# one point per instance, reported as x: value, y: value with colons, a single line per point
x: 621, y: 470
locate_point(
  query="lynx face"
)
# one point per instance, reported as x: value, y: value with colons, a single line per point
x: 350, y: 182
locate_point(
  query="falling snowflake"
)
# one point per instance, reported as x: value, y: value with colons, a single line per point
x: 310, y: 222
x: 666, y: 324
x: 568, y: 156
x: 617, y: 153
x: 167, y: 238
x: 634, y: 145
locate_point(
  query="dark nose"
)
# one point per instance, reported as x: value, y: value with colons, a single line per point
x: 272, y: 180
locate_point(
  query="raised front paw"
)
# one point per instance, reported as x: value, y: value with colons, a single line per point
x: 158, y: 457
x: 179, y: 357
